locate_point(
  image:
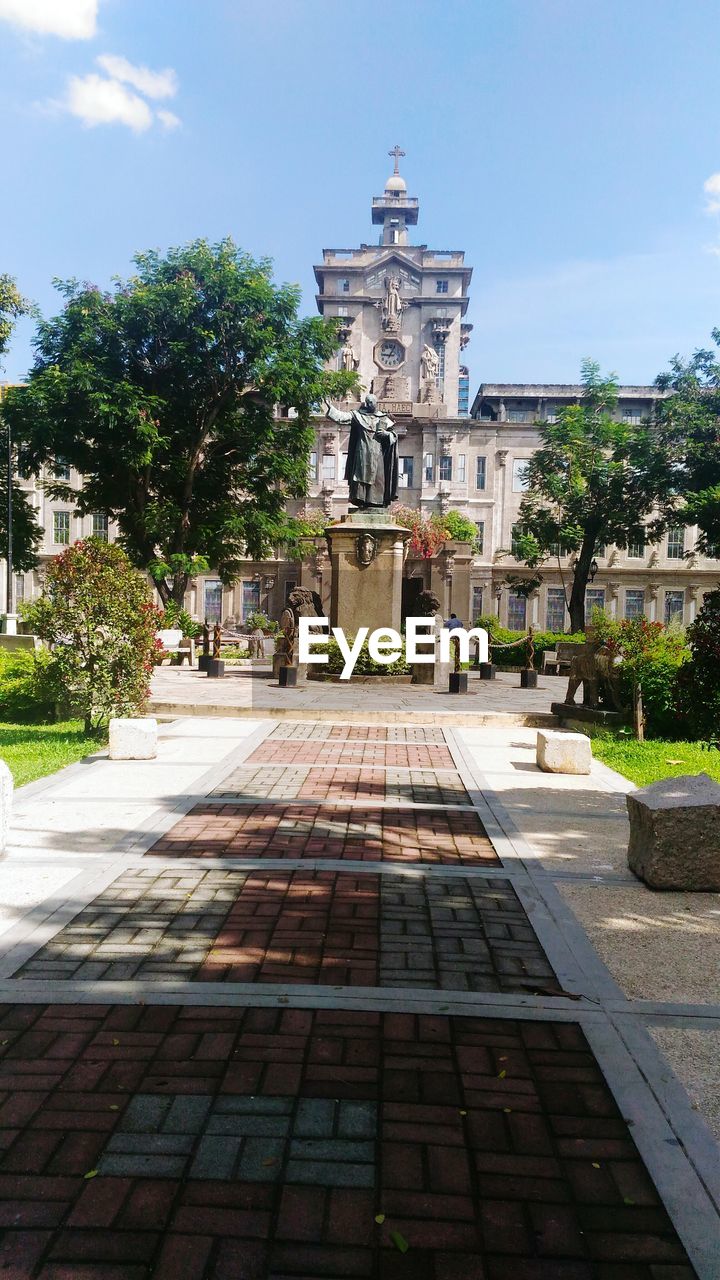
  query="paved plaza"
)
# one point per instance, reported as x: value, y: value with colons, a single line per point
x: 305, y: 999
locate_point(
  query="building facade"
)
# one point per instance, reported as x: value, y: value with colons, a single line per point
x: 402, y: 311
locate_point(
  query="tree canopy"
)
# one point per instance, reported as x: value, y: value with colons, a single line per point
x: 163, y: 394
x: 593, y: 480
x: 690, y: 420
x: 26, y: 531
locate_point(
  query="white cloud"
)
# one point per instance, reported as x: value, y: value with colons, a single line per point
x: 69, y: 19
x: 95, y: 100
x: 154, y: 84
x: 711, y: 187
x: 168, y: 119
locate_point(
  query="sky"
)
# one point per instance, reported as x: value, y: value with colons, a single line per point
x: 570, y: 147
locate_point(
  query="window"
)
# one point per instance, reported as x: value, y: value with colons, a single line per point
x: 674, y: 606
x: 405, y: 478
x: 480, y: 471
x: 343, y: 285
x: 290, y: 585
x: 61, y: 528
x: 328, y: 467
x: 342, y: 311
x: 100, y: 526
x: 312, y: 467
x: 676, y: 544
x: 441, y: 286
x: 61, y: 469
x: 19, y: 588
x: 250, y: 599
x: 551, y: 413
x: 519, y: 415
x: 634, y: 603
x: 632, y: 413
x: 429, y: 468
x: 516, y: 534
x: 594, y: 599
x: 343, y: 465
x: 461, y: 469
x: 712, y: 551
x: 636, y: 549
x: 600, y: 551
x: 445, y: 467
x: 480, y: 539
x: 212, y: 599
x: 557, y: 550
x: 555, y: 612
x: 519, y: 475
x: 517, y: 611
x: 477, y: 603
x: 463, y: 394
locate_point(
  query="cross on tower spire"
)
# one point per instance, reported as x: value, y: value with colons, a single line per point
x: 396, y: 153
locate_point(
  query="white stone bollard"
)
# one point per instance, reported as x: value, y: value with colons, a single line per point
x: 675, y: 833
x: 563, y: 752
x: 133, y: 739
x: 6, y: 799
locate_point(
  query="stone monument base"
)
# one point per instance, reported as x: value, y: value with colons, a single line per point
x: 366, y: 554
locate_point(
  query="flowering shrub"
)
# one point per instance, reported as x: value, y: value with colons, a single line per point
x: 651, y: 656
x: 698, y: 692
x: 426, y: 536
x: 97, y: 614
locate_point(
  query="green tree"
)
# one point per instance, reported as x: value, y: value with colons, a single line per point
x: 164, y: 393
x: 97, y: 613
x: 593, y: 480
x: 690, y: 420
x: 26, y: 532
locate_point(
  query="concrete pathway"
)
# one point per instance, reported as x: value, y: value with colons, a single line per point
x: 309, y: 1000
x: 246, y: 691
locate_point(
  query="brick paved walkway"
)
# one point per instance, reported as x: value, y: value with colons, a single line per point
x: 341, y: 1039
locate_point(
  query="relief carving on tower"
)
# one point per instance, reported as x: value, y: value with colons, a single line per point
x: 392, y: 305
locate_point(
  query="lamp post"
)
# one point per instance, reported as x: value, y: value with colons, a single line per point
x: 593, y: 570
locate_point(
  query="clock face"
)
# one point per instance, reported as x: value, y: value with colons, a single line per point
x: 391, y: 354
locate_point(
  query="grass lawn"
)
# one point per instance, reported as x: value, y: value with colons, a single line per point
x: 644, y: 762
x: 34, y: 750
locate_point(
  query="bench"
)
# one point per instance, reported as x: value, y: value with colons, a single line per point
x: 175, y: 647
x: 559, y: 658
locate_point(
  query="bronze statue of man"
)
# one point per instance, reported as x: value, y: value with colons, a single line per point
x: 372, y: 463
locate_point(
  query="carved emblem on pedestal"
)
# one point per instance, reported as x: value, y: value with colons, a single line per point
x: 365, y: 549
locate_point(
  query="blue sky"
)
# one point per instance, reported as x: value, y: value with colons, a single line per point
x: 564, y: 144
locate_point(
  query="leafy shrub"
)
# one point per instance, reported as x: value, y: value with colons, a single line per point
x: 651, y: 656
x: 97, y: 614
x: 457, y: 527
x: 698, y: 686
x: 175, y: 618
x: 28, y: 689
x: 260, y: 621
x: 365, y: 665
x: 516, y: 656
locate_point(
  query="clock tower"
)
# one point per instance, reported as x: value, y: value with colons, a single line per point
x: 401, y: 308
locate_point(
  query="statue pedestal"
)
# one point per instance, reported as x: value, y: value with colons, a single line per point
x: 367, y: 553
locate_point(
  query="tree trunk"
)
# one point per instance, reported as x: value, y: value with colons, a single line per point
x: 179, y: 587
x: 580, y: 581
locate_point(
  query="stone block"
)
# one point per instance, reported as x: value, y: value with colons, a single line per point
x: 133, y: 739
x: 563, y: 752
x: 6, y: 797
x: 675, y: 833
